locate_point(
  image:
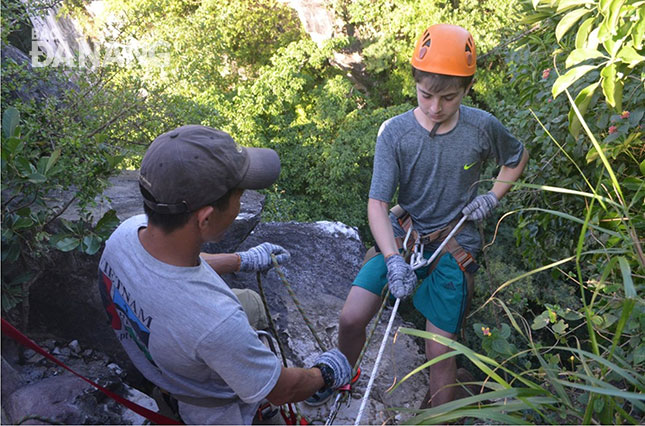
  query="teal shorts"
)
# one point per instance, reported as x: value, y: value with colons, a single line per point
x: 442, y: 298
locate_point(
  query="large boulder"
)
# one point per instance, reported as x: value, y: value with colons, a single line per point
x: 325, y: 258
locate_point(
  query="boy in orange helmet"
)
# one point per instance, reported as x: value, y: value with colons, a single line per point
x: 433, y: 154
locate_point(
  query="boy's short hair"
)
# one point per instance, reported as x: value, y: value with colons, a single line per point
x: 440, y: 82
x: 171, y: 222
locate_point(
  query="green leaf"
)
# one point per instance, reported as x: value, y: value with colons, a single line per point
x: 566, y: 80
x: 42, y: 165
x: 639, y: 354
x: 611, y: 86
x: 583, y: 32
x: 626, y: 271
x: 568, y: 21
x: 598, y: 404
x: 502, y: 346
x: 10, y: 120
x: 630, y: 56
x: 560, y: 327
x: 540, y: 321
x: 581, y: 55
x: 505, y: 332
x: 11, y: 254
x: 568, y: 4
x: 107, y: 223
x: 37, y: 178
x: 536, y: 17
x: 22, y: 223
x: 594, y: 40
x: 571, y: 315
x: 65, y: 243
x: 614, y: 12
x: 642, y: 167
x: 24, y: 167
x: 52, y: 160
x: 91, y: 244
x: 638, y: 33
x: 12, y: 145
x: 582, y: 102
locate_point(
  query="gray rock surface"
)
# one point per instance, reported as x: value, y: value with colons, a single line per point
x: 325, y: 257
x: 44, y: 391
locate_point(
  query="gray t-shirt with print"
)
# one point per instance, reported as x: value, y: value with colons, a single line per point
x: 437, y: 176
x: 185, y: 330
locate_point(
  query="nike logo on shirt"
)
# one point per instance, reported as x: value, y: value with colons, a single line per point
x: 468, y: 166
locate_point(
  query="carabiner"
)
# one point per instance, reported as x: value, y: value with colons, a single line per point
x: 416, y: 260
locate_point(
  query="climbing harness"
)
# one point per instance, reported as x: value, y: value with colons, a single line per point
x: 418, y: 265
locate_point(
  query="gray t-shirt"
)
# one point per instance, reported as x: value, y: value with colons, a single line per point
x: 437, y: 176
x: 185, y: 330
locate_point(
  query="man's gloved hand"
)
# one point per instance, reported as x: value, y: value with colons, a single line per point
x: 334, y: 367
x: 481, y: 206
x: 259, y: 258
x: 401, y: 278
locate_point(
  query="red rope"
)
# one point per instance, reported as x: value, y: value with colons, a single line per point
x: 14, y: 333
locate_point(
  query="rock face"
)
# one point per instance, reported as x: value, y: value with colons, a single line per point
x: 325, y: 256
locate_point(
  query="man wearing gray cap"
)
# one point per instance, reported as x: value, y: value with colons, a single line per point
x: 179, y: 322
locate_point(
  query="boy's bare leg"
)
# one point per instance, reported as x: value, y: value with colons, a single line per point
x: 360, y: 306
x: 442, y: 374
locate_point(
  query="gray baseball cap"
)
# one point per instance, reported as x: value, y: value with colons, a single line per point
x: 193, y: 166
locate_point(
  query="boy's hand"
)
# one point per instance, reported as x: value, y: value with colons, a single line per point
x: 401, y: 279
x: 334, y: 367
x: 480, y: 207
x: 259, y: 258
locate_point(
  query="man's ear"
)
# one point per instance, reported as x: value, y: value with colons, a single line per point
x: 202, y: 215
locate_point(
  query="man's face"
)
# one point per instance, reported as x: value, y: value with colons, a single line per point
x: 439, y: 106
x: 221, y: 220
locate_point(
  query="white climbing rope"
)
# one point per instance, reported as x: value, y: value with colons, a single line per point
x: 389, y: 324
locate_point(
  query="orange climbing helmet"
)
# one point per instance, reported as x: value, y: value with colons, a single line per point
x: 445, y: 49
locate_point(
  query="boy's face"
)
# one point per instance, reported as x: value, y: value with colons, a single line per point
x: 439, y: 106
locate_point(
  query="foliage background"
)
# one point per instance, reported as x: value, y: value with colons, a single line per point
x: 249, y: 68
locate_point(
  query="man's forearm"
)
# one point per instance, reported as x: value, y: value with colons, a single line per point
x: 295, y: 384
x: 222, y: 263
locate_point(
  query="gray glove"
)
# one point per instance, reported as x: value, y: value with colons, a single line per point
x: 481, y: 206
x: 401, y: 279
x: 259, y: 258
x: 334, y: 367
